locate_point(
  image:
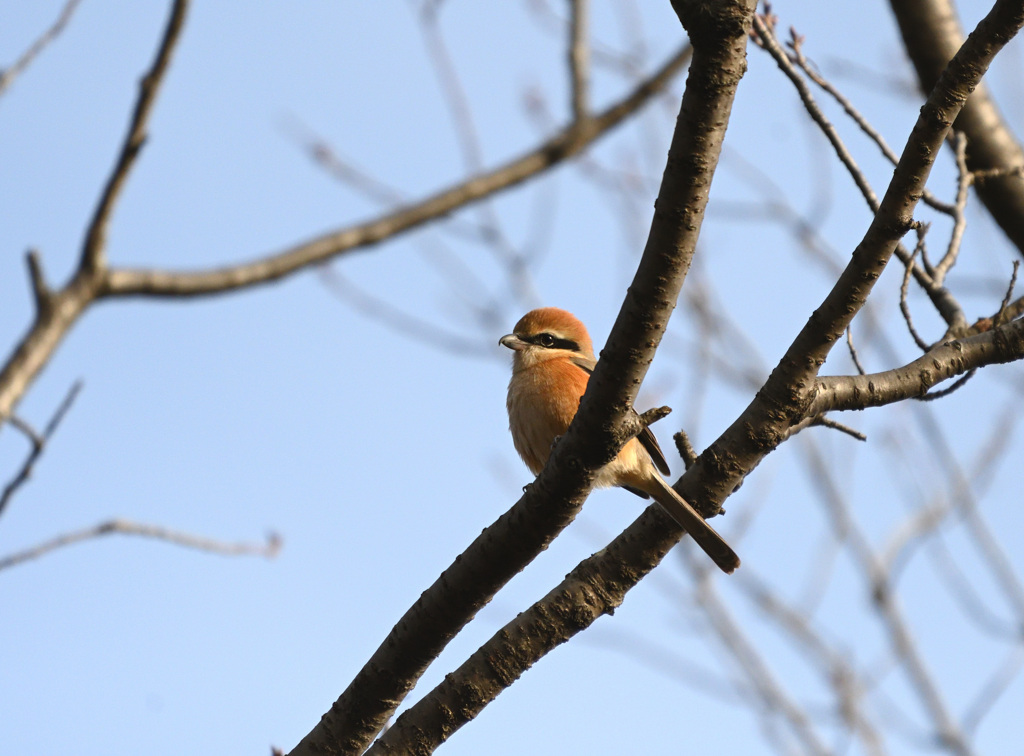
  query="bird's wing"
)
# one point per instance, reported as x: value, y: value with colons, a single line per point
x: 650, y: 443
x: 645, y: 437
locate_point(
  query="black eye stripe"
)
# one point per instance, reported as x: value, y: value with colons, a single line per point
x: 550, y: 341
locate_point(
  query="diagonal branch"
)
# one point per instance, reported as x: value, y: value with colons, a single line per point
x: 787, y: 395
x: 38, y: 442
x: 68, y: 304
x: 57, y: 311
x: 944, y: 302
x: 932, y: 35
x: 9, y: 74
x: 566, y: 144
x: 95, y: 245
x: 719, y: 42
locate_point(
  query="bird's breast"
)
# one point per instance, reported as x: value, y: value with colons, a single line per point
x: 542, y: 401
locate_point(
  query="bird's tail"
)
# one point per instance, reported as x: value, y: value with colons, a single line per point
x: 689, y: 519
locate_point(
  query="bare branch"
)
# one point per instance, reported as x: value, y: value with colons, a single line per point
x: 932, y: 35
x: 579, y: 58
x: 770, y: 692
x: 959, y: 215
x: 40, y: 290
x: 827, y: 422
x: 94, y: 249
x: 762, y: 425
x: 566, y: 144
x: 943, y: 301
x: 46, y: 333
x: 8, y: 75
x: 269, y: 549
x: 1003, y: 344
x: 575, y: 604
x: 853, y: 349
x: 38, y: 443
x: 904, y: 290
x: 796, y: 45
x: 888, y: 609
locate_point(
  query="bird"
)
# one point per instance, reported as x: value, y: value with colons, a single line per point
x: 553, y: 358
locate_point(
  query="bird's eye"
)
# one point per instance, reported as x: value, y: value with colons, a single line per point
x: 546, y: 339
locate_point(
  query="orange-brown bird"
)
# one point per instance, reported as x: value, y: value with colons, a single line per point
x: 552, y: 362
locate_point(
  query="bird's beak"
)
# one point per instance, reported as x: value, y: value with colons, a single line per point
x: 513, y: 342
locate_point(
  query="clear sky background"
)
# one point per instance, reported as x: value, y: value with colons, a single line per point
x: 376, y: 454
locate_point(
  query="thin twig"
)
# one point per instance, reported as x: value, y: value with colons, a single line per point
x: 94, y: 249
x: 957, y: 384
x: 1004, y: 315
x: 847, y: 684
x: 827, y: 422
x: 766, y: 34
x: 796, y: 45
x: 470, y: 144
x: 40, y: 289
x: 947, y: 307
x: 1004, y: 674
x: 853, y: 350
x: 268, y: 549
x: 983, y: 175
x: 38, y: 442
x: 770, y: 691
x: 579, y: 58
x: 959, y: 212
x: 9, y: 74
x: 402, y: 322
x: 904, y: 289
x: 887, y: 607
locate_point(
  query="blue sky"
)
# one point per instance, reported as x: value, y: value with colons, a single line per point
x: 378, y: 456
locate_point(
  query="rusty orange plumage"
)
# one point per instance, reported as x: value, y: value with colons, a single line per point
x: 552, y: 361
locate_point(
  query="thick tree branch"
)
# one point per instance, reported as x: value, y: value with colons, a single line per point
x: 719, y: 40
x: 932, y: 35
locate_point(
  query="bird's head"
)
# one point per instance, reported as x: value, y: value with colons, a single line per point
x: 548, y: 333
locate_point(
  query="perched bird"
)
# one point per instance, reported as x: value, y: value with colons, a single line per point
x: 552, y: 362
